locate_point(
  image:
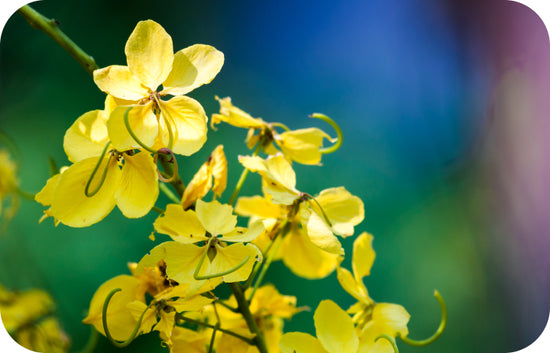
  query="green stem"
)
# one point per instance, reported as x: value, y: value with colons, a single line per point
x: 168, y: 166
x: 92, y: 342
x: 244, y: 308
x: 51, y: 28
x: 24, y: 194
x: 157, y: 210
x: 243, y: 177
x: 169, y: 193
x: 267, y: 263
x: 339, y: 138
x: 200, y: 323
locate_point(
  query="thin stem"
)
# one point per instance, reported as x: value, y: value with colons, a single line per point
x: 92, y: 342
x: 24, y: 194
x: 169, y: 193
x: 243, y: 176
x: 51, y: 28
x: 168, y: 166
x: 157, y: 210
x: 438, y: 332
x: 200, y: 323
x: 259, y: 341
x: 222, y: 303
x: 272, y: 251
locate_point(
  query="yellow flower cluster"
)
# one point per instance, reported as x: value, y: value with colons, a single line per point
x: 147, y: 120
x: 8, y: 186
x: 28, y: 316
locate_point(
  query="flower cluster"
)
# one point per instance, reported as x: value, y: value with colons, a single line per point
x: 29, y: 318
x: 125, y: 154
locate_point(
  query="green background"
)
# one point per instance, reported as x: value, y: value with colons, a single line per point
x: 409, y: 90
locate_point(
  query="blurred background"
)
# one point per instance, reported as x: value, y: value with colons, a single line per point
x: 444, y: 108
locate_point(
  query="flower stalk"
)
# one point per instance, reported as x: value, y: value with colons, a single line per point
x: 51, y: 28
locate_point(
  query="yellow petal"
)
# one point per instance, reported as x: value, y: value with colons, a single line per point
x: 137, y: 308
x: 182, y: 226
x: 45, y: 196
x: 354, y: 288
x: 278, y: 177
x: 70, y: 204
x: 216, y: 218
x: 269, y: 299
x: 86, y: 137
x: 304, y: 258
x: 363, y: 256
x: 343, y: 209
x: 298, y: 342
x: 392, y: 317
x: 319, y: 233
x: 243, y: 235
x: 193, y: 66
x: 194, y: 303
x: 188, y: 121
x: 386, y: 318
x: 119, y: 82
x: 149, y: 53
x: 120, y: 320
x: 258, y: 206
x: 138, y: 190
x: 188, y: 341
x: 219, y: 170
x: 302, y: 145
x: 166, y: 325
x: 181, y: 261
x: 229, y: 257
x: 198, y: 187
x: 142, y: 121
x: 335, y: 329
x: 235, y: 116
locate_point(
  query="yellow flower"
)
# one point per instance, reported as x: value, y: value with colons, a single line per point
x: 130, y: 303
x: 310, y: 248
x: 214, y: 168
x: 303, y: 145
x: 211, y: 223
x: 27, y: 316
x: 336, y: 332
x: 126, y: 179
x: 8, y: 185
x: 372, y: 319
x: 152, y: 63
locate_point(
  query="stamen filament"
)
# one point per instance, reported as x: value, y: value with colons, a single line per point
x: 439, y: 330
x: 106, y: 328
x: 103, y: 176
x: 390, y: 340
x: 336, y: 128
x: 131, y: 132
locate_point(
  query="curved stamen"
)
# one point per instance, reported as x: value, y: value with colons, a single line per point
x: 219, y: 274
x: 390, y: 340
x: 325, y: 217
x: 281, y: 125
x: 103, y: 176
x: 439, y: 330
x: 131, y: 132
x: 336, y: 128
x: 106, y: 328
